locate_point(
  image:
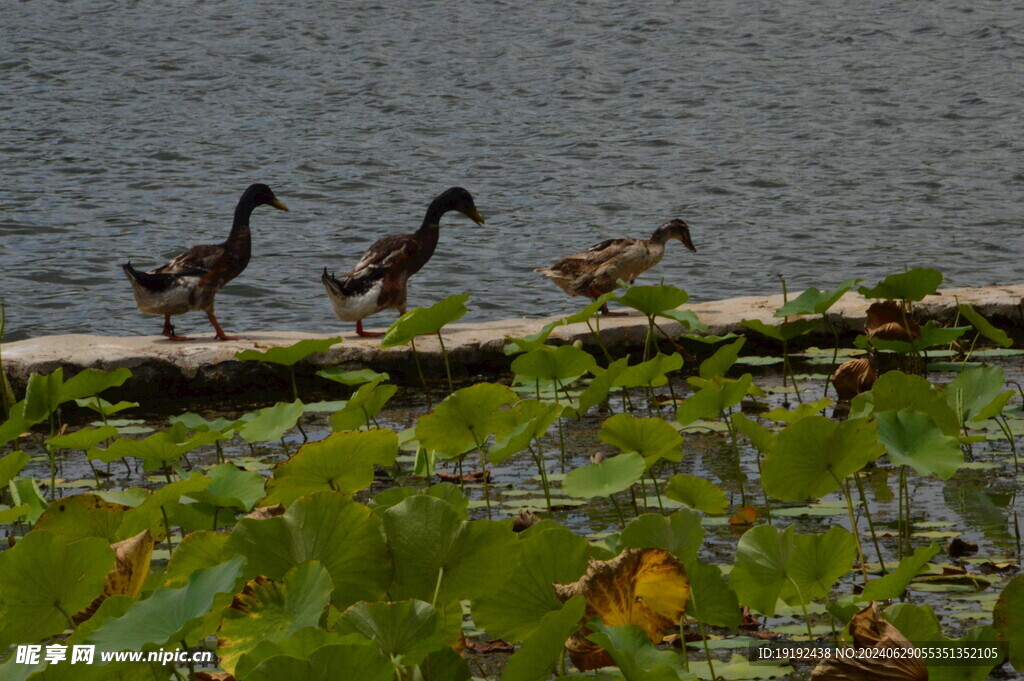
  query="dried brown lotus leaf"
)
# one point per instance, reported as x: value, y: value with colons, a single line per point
x: 885, y: 321
x: 131, y: 565
x: 264, y: 512
x: 853, y: 378
x: 647, y: 588
x: 870, y: 630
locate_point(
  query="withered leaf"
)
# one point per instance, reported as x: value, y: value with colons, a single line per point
x: 131, y: 565
x: 870, y: 630
x: 853, y: 378
x: 886, y: 320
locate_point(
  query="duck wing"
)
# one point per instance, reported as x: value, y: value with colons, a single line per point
x: 196, y: 261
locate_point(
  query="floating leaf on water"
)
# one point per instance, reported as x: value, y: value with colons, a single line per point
x: 802, y: 411
x: 423, y: 321
x: 351, y: 377
x: 913, y: 285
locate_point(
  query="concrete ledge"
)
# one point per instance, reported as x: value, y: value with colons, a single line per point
x: 206, y: 368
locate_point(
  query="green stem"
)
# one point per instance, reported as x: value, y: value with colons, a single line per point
x: 871, y: 524
x: 483, y: 467
x: 538, y: 458
x: 416, y: 360
x: 1005, y: 427
x: 803, y: 606
x: 447, y: 366
x: 437, y: 586
x: 618, y: 509
x: 295, y: 387
x: 167, y: 529
x: 853, y: 524
x: 835, y: 351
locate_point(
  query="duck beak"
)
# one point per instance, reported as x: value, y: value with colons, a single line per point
x: 685, y: 238
x: 475, y: 216
x: 278, y: 205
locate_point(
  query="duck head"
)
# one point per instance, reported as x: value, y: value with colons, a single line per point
x: 261, y: 195
x: 674, y: 229
x: 458, y: 199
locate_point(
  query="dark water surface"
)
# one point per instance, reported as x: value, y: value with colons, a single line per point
x: 820, y: 140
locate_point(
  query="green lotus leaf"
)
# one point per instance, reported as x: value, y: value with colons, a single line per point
x: 344, y: 536
x: 813, y: 301
x: 802, y: 411
x: 762, y: 438
x: 782, y: 332
x: 445, y: 491
x: 425, y: 320
x: 405, y: 631
x: 289, y: 355
x: 601, y: 385
x: 46, y: 580
x: 10, y: 515
x: 84, y: 438
x: 520, y: 437
x: 271, y: 423
x: 711, y: 599
x: 157, y: 450
x: 511, y: 610
x: 651, y: 373
x: 635, y: 655
x: 916, y: 622
x: 810, y: 458
x: 913, y: 285
x: 267, y: 610
x: 103, y: 407
x: 445, y: 665
x: 604, y: 479
x: 545, y: 645
x: 912, y: 439
x: 25, y: 492
x: 300, y: 644
x: 977, y: 637
x: 561, y: 363
x: 440, y: 557
x: 697, y: 493
x: 16, y: 423
x: 1008, y: 620
x: 149, y: 514
x: 359, y: 661
x: 816, y: 562
x: 231, y: 487
x: 717, y: 395
x: 466, y: 418
x: 532, y: 341
x: 984, y: 326
x: 351, y: 377
x: 198, y: 551
x: 197, y: 423
x: 89, y: 382
x: 42, y: 395
x: 652, y: 438
x: 341, y: 462
x: 10, y: 465
x: 977, y: 394
x: 895, y: 390
x: 895, y: 583
x: 680, y: 534
x: 762, y: 567
x: 653, y: 300
x: 82, y: 515
x: 723, y: 359
x: 687, y: 318
x: 590, y: 310
x: 364, y: 405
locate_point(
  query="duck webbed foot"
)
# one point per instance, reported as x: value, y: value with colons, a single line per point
x: 608, y: 313
x: 220, y: 332
x: 360, y: 331
x: 169, y: 330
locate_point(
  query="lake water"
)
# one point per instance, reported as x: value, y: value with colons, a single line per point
x: 818, y: 140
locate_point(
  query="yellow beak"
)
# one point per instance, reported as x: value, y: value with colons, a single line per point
x: 278, y: 205
x: 475, y: 216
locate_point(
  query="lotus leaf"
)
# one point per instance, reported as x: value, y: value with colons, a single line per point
x: 604, y: 479
x: 46, y: 579
x: 364, y: 405
x: 231, y: 487
x: 466, y: 418
x: 912, y: 439
x: 271, y: 423
x: 405, y: 631
x: 895, y: 390
x: 363, y: 662
x: 913, y: 285
x: 810, y: 458
x: 653, y: 300
x: 562, y: 363
x: 601, y: 385
x: 930, y: 335
x: 341, y: 462
x: 159, y: 449
x: 344, y: 536
x: 870, y: 630
x: 544, y: 647
x: 10, y: 465
x: 198, y: 551
x: 131, y: 565
x: 813, y: 301
x: 895, y: 583
x: 102, y: 407
x: 514, y: 346
x: 590, y: 310
x: 717, y: 395
x: 711, y: 599
x: 84, y: 439
x: 976, y: 393
x: 82, y: 515
x: 300, y: 644
x: 440, y: 557
x: 424, y: 321
x: 917, y: 622
x: 445, y: 491
x: 351, y: 377
x: 762, y: 438
x: 16, y: 424
x: 512, y: 610
x: 680, y: 534
x: 25, y: 492
x: 717, y: 364
x: 697, y: 493
x: 652, y: 438
x: 784, y: 332
x: 289, y: 355
x: 266, y: 610
x: 651, y: 373
x: 984, y: 326
x: 802, y: 411
x: 635, y: 655
x: 1008, y: 620
x: 647, y: 588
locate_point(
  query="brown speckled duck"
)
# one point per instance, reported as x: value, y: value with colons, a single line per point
x: 596, y: 270
x: 379, y: 280
x: 191, y: 280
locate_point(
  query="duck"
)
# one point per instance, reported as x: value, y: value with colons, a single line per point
x: 597, y: 270
x: 379, y: 281
x: 191, y: 280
